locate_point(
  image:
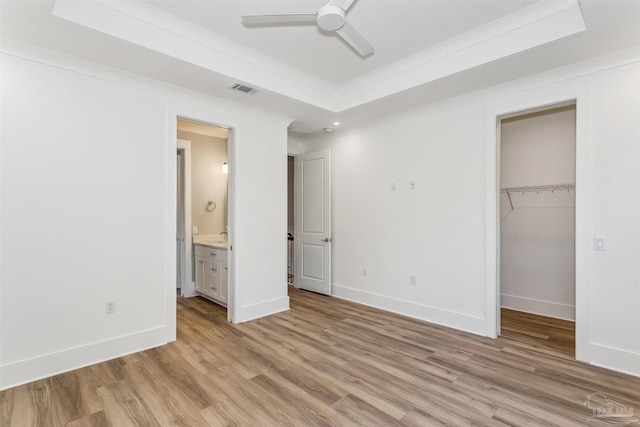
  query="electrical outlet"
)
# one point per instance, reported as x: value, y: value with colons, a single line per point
x: 412, y: 280
x: 393, y: 186
x: 194, y: 229
x: 365, y: 272
x: 110, y: 306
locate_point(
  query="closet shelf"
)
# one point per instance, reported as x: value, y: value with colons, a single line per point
x: 549, y: 196
x: 527, y: 189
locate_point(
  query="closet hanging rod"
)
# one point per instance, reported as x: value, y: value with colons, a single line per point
x: 553, y: 187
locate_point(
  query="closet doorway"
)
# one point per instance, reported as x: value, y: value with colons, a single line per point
x: 537, y: 228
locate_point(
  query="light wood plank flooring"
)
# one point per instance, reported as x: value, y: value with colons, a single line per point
x: 324, y: 362
x: 541, y: 331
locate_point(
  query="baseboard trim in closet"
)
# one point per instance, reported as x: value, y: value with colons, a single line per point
x: 542, y: 308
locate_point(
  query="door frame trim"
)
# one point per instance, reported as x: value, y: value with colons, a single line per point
x: 188, y: 286
x: 542, y: 98
x: 175, y: 112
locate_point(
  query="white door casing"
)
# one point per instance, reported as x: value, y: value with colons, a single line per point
x: 188, y: 285
x: 180, y: 232
x: 313, y: 221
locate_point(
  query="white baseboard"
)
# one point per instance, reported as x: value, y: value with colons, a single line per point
x: 28, y: 370
x: 191, y: 291
x: 614, y: 358
x: 463, y: 322
x: 543, y: 308
x: 261, y: 309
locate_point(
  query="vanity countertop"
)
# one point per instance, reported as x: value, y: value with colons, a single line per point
x: 210, y: 241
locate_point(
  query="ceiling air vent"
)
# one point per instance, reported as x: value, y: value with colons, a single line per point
x: 244, y: 89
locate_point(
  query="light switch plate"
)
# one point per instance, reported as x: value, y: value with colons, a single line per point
x: 598, y: 243
x: 412, y: 185
x: 110, y: 306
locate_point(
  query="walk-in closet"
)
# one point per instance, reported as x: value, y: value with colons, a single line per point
x: 537, y: 227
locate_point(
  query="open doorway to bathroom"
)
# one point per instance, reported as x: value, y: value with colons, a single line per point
x: 537, y: 228
x: 290, y: 220
x: 202, y: 211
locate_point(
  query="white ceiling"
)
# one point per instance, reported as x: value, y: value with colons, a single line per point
x: 425, y: 50
x: 396, y: 29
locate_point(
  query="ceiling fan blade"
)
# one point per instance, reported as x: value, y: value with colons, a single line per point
x: 284, y: 18
x: 342, y: 4
x: 351, y: 36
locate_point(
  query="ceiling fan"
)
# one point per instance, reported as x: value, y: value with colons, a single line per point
x: 330, y: 17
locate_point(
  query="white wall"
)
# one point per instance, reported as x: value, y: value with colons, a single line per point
x: 435, y: 232
x: 295, y: 145
x: 614, y: 323
x: 537, y: 266
x: 439, y: 230
x: 539, y: 148
x: 88, y: 211
x: 208, y: 183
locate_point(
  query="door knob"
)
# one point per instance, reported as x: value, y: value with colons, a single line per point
x: 326, y: 240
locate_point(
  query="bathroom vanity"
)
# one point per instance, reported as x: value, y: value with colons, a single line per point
x: 211, y: 271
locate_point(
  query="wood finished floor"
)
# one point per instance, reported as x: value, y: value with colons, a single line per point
x: 540, y: 331
x: 324, y: 362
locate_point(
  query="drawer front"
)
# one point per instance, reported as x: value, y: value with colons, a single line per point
x: 214, y: 286
x: 205, y: 251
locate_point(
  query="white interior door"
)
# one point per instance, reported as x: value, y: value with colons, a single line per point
x: 313, y: 221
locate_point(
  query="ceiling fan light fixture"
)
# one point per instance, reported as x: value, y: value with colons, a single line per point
x: 330, y: 18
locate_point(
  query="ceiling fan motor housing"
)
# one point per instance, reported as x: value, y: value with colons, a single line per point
x: 330, y: 18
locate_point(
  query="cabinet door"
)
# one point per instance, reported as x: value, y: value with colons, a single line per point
x: 212, y: 277
x: 200, y: 274
x: 223, y: 283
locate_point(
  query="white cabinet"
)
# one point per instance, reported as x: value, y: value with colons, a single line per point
x: 211, y: 273
x: 211, y: 277
x: 199, y: 273
x: 223, y: 282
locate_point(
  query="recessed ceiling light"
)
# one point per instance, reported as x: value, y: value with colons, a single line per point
x: 336, y: 123
x: 328, y: 130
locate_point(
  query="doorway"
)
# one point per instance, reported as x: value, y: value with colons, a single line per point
x: 537, y: 176
x: 180, y: 223
x: 202, y: 211
x: 312, y: 250
x: 290, y: 220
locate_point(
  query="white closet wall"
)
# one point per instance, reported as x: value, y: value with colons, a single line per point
x: 537, y: 268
